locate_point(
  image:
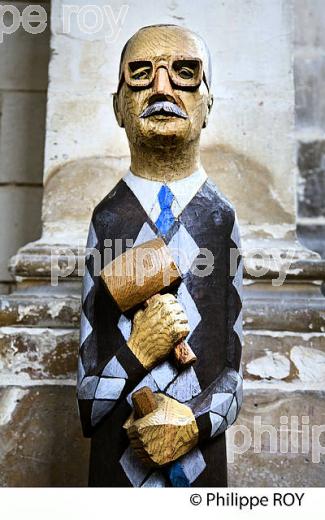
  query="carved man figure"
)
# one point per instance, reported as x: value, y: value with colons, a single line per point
x: 163, y: 101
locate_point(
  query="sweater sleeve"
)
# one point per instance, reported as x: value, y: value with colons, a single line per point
x: 102, y: 381
x: 217, y: 407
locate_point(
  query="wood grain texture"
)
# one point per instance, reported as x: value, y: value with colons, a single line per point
x: 184, y: 355
x: 157, y: 329
x: 164, y: 147
x: 144, y: 402
x: 139, y: 273
x: 165, y: 434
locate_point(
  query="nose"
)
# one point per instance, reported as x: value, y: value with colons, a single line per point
x: 161, y: 84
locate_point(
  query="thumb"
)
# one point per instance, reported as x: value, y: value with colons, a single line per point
x: 137, y: 317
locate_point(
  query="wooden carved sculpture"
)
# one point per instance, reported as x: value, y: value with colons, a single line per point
x: 146, y: 402
x: 158, y: 270
x: 121, y: 278
x: 156, y: 419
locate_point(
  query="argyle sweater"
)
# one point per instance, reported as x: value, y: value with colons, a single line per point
x: 108, y: 372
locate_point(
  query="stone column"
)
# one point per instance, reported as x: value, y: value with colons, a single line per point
x: 309, y: 63
x: 248, y: 149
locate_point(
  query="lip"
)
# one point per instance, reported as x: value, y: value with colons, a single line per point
x: 162, y: 116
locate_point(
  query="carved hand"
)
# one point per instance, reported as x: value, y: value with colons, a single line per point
x: 164, y: 435
x: 157, y: 329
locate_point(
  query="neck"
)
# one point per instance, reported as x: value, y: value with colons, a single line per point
x: 165, y: 164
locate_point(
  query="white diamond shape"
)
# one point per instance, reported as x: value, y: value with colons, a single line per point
x: 88, y: 387
x: 80, y: 371
x: 125, y: 326
x: 237, y: 281
x: 186, y: 300
x: 135, y: 470
x: 114, y: 369
x: 109, y: 388
x: 99, y: 410
x: 232, y: 412
x: 235, y: 236
x: 238, y: 327
x: 155, y: 480
x: 85, y: 328
x: 185, y: 386
x: 216, y: 421
x: 87, y: 284
x: 193, y: 464
x: 183, y: 249
x: 220, y: 403
x: 163, y: 374
x: 145, y: 234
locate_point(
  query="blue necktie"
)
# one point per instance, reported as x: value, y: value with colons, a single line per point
x: 166, y: 218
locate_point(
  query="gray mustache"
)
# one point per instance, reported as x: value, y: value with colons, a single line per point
x: 163, y: 107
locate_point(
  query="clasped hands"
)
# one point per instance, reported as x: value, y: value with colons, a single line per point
x: 170, y: 431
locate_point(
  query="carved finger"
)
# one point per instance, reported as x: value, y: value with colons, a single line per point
x: 175, y: 302
x: 138, y: 316
x: 155, y: 305
x: 181, y: 316
x: 177, y: 322
x: 153, y: 299
x: 167, y: 298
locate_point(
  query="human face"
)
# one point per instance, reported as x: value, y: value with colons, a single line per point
x: 163, y: 95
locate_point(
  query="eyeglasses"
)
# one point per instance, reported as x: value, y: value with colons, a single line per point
x: 184, y: 72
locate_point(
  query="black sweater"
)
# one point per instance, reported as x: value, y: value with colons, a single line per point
x: 108, y: 372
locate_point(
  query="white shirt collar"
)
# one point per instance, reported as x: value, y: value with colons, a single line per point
x: 146, y: 191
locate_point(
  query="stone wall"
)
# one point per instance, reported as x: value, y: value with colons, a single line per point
x: 309, y: 64
x: 23, y: 85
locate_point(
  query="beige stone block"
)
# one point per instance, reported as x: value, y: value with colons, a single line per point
x: 20, y: 216
x: 75, y: 203
x: 260, y: 466
x: 310, y: 105
x: 35, y: 353
x: 38, y: 310
x: 22, y: 136
x: 309, y: 23
x: 81, y: 127
x: 288, y: 356
x: 41, y: 440
x: 24, y: 57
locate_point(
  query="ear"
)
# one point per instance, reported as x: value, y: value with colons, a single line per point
x: 117, y: 111
x: 209, y: 106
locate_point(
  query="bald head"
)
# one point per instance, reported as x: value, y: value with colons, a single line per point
x: 166, y: 40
